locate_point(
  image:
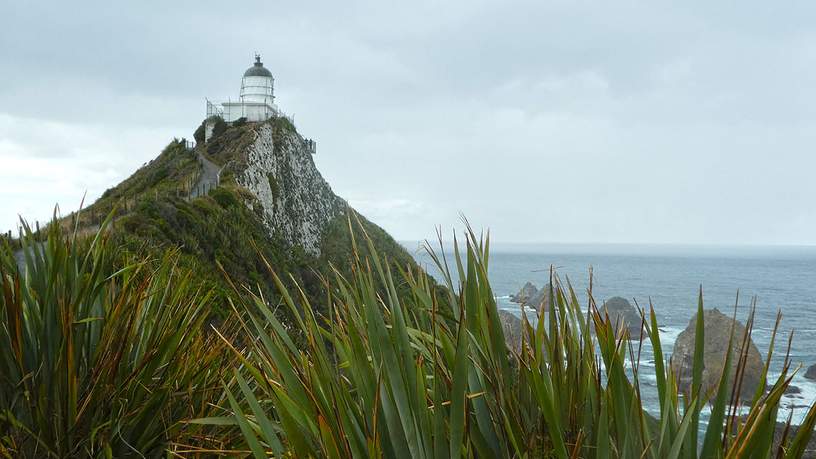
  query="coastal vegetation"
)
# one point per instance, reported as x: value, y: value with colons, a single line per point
x: 106, y: 360
x: 431, y: 375
x: 99, y: 357
x: 159, y: 322
x: 152, y: 211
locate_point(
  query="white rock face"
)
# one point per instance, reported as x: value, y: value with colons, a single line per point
x: 297, y: 202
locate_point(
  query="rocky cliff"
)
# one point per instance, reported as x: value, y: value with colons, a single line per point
x: 278, y: 170
x: 251, y: 193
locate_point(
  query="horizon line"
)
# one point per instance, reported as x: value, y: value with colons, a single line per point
x: 636, y: 244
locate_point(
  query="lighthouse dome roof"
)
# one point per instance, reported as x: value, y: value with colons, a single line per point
x: 257, y: 69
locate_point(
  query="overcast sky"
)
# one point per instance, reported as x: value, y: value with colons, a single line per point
x: 565, y: 121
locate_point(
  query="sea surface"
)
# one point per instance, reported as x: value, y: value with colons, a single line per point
x: 780, y: 278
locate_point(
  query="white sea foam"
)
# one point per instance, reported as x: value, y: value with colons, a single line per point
x: 798, y: 403
x: 668, y: 335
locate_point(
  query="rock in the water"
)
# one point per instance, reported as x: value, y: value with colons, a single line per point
x: 541, y: 300
x: 530, y: 296
x: 620, y: 311
x: 512, y: 327
x: 523, y: 296
x: 793, y: 390
x: 811, y: 372
x: 779, y: 431
x: 717, y: 331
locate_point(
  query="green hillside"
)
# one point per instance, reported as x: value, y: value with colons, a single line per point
x: 152, y: 212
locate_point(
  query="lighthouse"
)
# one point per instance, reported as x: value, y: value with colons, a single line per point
x: 256, y: 103
x: 257, y: 85
x: 256, y: 100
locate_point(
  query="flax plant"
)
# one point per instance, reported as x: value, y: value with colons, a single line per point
x: 401, y: 367
x: 99, y: 361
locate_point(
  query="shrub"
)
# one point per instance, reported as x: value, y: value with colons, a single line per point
x: 97, y: 361
x: 199, y: 133
x: 428, y: 374
x: 219, y: 127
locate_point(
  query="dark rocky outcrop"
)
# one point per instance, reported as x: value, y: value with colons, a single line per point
x: 512, y: 327
x: 541, y: 301
x: 793, y: 390
x: 533, y: 297
x: 779, y: 432
x: 528, y: 291
x: 810, y: 449
x: 811, y: 373
x: 620, y: 311
x: 717, y: 331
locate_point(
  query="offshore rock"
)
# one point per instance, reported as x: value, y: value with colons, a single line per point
x: 811, y: 373
x: 528, y: 291
x: 513, y: 329
x: 531, y: 296
x: 620, y: 311
x: 541, y: 300
x: 793, y: 390
x: 717, y: 331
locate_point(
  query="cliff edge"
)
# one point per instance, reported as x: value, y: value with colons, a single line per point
x: 252, y: 192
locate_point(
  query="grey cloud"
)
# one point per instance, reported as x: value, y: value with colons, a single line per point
x: 547, y: 121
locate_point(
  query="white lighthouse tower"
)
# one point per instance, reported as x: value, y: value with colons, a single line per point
x: 256, y: 101
x: 257, y: 84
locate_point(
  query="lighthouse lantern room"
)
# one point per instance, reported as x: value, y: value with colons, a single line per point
x: 256, y: 101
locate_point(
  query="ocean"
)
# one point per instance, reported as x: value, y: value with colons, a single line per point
x: 781, y: 278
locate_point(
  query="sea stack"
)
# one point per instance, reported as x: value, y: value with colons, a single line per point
x: 621, y: 312
x: 533, y: 297
x: 717, y: 331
